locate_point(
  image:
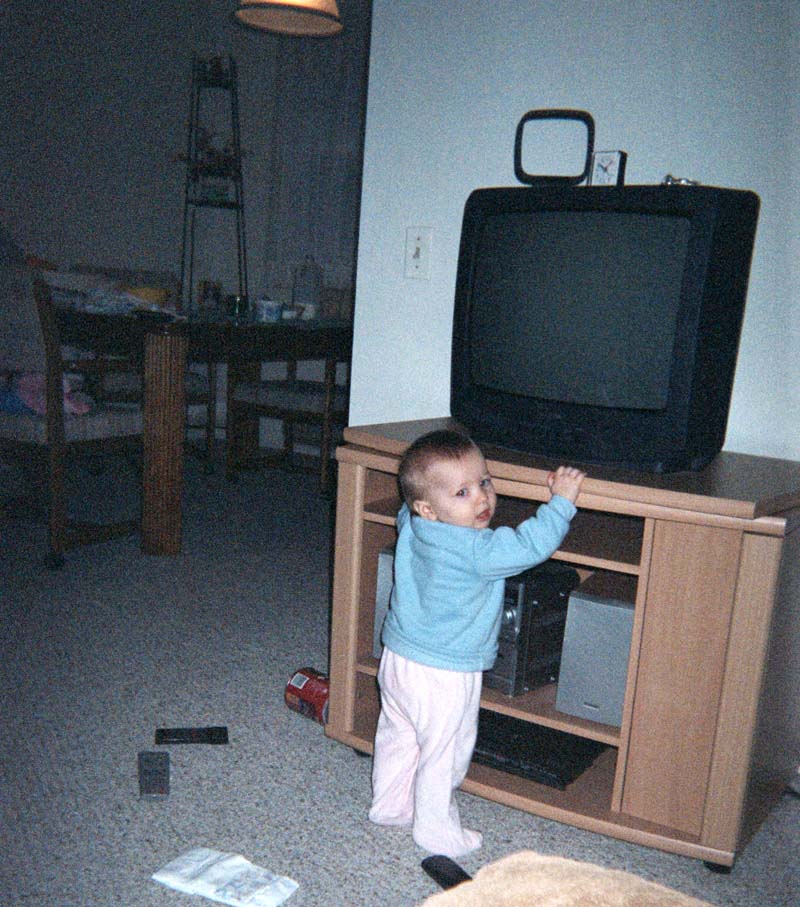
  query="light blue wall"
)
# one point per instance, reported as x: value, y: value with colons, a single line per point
x: 701, y: 89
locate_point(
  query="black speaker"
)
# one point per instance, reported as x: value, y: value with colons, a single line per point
x: 532, y: 630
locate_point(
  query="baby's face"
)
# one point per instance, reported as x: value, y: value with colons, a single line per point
x: 460, y: 492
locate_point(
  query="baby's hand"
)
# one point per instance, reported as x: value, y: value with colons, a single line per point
x: 566, y: 482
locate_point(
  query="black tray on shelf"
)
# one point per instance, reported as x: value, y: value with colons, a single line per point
x: 541, y: 754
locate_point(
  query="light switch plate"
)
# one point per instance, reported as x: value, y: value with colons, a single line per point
x: 418, y: 253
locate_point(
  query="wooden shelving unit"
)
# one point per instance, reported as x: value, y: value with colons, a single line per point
x: 710, y: 561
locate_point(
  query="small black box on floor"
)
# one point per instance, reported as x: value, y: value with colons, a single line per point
x: 532, y: 631
x: 153, y: 775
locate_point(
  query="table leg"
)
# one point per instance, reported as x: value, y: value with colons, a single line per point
x: 248, y: 434
x: 164, y: 430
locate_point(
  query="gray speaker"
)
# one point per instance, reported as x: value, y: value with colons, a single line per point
x: 597, y: 643
x: 383, y: 592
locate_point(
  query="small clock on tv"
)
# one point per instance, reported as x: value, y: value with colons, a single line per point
x: 608, y: 168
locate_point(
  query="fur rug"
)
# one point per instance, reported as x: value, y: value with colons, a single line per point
x: 527, y: 879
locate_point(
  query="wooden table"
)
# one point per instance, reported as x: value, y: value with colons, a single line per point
x: 166, y: 347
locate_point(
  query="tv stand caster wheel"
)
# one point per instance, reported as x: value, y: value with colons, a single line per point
x: 362, y: 753
x: 717, y: 868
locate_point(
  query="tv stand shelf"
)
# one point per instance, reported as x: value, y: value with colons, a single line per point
x: 710, y: 561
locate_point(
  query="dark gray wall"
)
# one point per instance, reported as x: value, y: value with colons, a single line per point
x: 95, y: 101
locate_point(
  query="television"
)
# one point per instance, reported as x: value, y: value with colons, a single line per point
x: 601, y: 325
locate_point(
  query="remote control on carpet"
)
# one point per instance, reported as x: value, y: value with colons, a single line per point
x: 444, y: 871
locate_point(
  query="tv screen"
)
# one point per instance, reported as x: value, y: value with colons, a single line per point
x: 601, y: 324
x: 605, y: 325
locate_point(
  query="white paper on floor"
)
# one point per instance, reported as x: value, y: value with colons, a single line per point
x: 225, y: 877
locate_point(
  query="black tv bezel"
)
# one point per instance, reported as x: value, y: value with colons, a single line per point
x: 690, y: 430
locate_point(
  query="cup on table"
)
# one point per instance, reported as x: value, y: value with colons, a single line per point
x: 265, y: 310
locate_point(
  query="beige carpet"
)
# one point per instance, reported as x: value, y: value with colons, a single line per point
x: 526, y: 879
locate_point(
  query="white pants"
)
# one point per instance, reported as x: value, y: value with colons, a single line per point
x: 423, y: 746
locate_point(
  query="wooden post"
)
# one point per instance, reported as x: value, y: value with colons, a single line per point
x: 164, y: 428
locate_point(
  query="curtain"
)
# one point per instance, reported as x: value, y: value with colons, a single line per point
x: 316, y: 155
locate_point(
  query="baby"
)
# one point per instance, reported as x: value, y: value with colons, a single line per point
x: 441, y: 630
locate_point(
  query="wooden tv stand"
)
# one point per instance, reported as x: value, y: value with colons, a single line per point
x: 705, y: 745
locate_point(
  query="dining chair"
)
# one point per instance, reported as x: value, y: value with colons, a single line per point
x: 119, y: 380
x: 318, y: 404
x: 46, y: 437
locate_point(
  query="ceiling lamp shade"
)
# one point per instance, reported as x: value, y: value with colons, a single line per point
x: 304, y: 18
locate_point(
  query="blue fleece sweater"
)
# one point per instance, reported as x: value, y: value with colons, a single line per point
x: 447, y: 600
